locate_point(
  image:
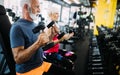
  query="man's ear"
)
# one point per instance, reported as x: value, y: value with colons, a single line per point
x: 26, y: 7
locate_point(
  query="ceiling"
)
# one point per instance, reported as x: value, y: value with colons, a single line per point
x: 88, y: 3
x: 64, y: 3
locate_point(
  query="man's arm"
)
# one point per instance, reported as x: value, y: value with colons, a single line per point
x: 21, y: 54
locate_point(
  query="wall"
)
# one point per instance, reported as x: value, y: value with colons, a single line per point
x: 1, y: 2
x: 105, y: 13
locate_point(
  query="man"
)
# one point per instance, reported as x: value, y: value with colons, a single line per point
x: 26, y: 45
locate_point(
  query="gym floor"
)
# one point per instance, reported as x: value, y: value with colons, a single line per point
x: 80, y: 47
x: 82, y: 56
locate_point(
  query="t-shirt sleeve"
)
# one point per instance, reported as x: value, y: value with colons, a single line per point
x: 16, y: 37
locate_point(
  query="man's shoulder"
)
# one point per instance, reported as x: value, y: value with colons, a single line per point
x: 15, y: 25
x: 18, y: 23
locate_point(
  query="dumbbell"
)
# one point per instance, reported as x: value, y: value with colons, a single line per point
x: 15, y: 18
x: 41, y: 26
x: 12, y: 14
x: 96, y: 70
x: 60, y: 35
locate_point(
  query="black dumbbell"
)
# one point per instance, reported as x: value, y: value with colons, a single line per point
x: 41, y: 26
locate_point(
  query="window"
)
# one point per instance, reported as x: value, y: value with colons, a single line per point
x: 65, y: 14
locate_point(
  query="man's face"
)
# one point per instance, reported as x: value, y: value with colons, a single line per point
x: 34, y: 9
x: 35, y: 6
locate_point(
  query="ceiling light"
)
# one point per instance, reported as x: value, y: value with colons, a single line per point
x: 77, y: 1
x: 68, y: 1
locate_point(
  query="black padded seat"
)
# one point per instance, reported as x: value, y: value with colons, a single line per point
x: 5, y: 26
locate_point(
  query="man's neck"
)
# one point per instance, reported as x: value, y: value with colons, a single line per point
x: 28, y: 18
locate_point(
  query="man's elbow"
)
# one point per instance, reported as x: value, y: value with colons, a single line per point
x: 18, y: 60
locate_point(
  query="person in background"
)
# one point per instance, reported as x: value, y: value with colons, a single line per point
x: 53, y: 53
x: 27, y: 46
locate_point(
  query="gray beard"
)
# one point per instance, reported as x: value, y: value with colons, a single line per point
x: 33, y: 16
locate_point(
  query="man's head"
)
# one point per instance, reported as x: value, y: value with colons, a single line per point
x: 53, y: 13
x: 30, y: 8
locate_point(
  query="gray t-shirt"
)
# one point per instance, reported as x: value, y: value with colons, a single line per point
x: 21, y: 35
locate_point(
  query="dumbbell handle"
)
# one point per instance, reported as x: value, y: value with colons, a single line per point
x: 42, y: 27
x: 61, y: 35
x: 48, y: 46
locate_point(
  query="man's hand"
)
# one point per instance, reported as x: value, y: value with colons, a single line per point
x: 43, y: 39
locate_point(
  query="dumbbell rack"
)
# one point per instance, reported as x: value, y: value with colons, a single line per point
x: 95, y: 61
